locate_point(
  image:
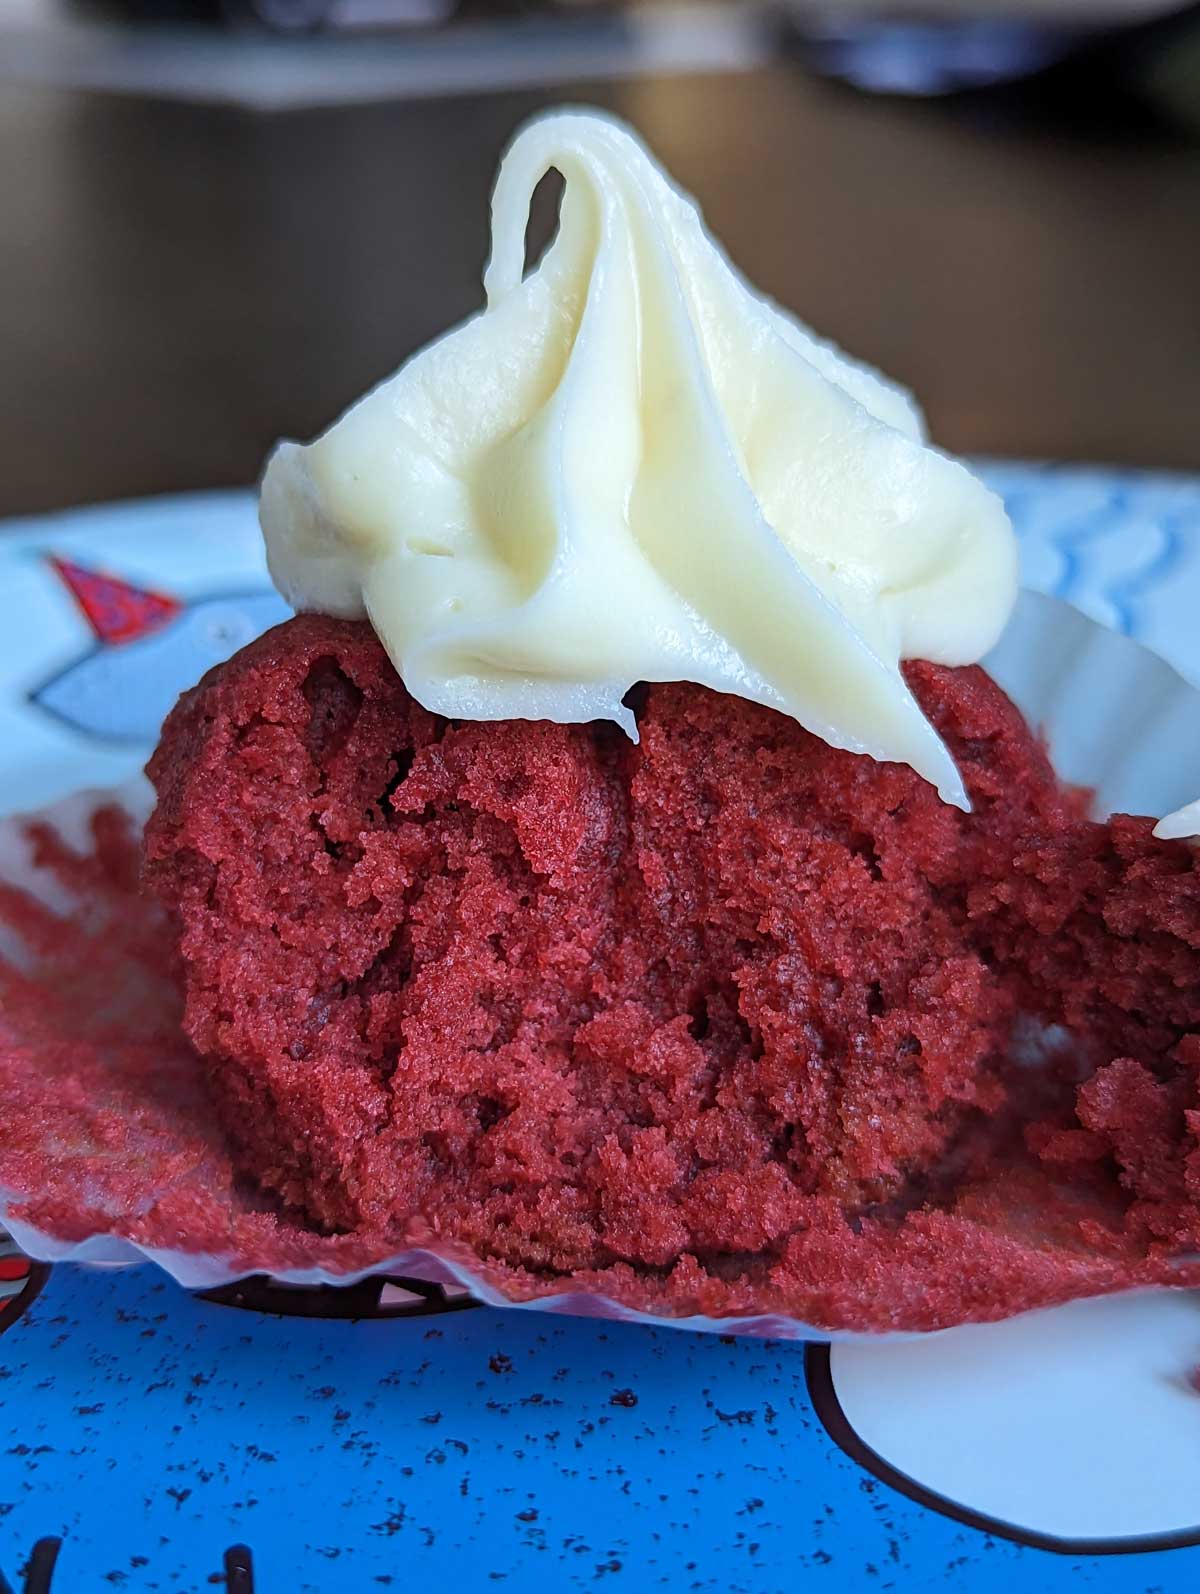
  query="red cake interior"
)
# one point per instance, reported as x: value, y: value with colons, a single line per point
x: 724, y: 1021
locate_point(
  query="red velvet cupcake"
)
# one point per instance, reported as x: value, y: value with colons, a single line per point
x: 583, y: 1004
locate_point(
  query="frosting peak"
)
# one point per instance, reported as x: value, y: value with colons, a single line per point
x: 629, y: 466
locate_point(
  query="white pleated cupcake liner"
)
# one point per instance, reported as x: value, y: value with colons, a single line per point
x: 1118, y: 720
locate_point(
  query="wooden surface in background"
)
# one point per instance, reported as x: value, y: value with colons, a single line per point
x: 180, y: 285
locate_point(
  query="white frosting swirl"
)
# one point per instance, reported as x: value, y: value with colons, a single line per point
x: 628, y: 467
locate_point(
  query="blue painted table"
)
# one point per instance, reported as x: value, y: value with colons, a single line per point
x: 152, y: 1430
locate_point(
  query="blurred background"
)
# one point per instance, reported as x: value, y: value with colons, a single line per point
x: 222, y: 220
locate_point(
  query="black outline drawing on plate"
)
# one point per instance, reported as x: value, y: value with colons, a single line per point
x: 374, y: 1297
x: 18, y: 1295
x: 237, y: 1564
x: 818, y: 1373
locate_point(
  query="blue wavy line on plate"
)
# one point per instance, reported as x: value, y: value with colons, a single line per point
x: 1124, y: 591
x: 1154, y: 574
x: 1054, y: 507
x: 1096, y: 529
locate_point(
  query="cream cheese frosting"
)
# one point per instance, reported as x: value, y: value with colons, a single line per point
x: 630, y: 466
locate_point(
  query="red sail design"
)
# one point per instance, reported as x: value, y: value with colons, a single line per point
x: 15, y: 1272
x: 115, y: 610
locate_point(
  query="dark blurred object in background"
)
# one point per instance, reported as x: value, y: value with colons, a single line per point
x: 277, y: 55
x: 310, y: 16
x: 1090, y: 62
x: 279, y: 16
x: 1079, y: 62
x: 217, y: 235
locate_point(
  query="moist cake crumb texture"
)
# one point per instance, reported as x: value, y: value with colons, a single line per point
x: 724, y: 1019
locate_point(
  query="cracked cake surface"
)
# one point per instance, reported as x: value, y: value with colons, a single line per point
x: 727, y: 1009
